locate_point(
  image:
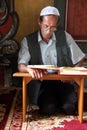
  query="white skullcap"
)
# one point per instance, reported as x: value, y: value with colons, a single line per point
x: 49, y: 10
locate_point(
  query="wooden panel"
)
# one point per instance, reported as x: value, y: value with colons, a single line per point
x: 76, y: 22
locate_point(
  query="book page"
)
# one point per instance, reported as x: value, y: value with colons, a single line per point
x: 47, y: 67
x: 73, y: 70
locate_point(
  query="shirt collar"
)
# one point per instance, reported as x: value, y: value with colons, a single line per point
x: 40, y: 38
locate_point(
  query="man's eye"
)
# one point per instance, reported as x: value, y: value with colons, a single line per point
x: 46, y: 26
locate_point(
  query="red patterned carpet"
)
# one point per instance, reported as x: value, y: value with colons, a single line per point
x: 11, y: 115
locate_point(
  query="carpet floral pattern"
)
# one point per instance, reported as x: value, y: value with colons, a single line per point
x: 35, y: 121
x: 6, y: 100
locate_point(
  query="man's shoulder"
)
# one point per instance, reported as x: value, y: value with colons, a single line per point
x: 32, y: 38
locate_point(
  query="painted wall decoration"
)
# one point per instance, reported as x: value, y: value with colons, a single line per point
x: 8, y: 20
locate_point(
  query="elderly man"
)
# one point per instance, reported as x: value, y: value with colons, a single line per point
x: 50, y: 46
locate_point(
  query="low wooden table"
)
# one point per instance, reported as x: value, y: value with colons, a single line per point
x: 78, y: 78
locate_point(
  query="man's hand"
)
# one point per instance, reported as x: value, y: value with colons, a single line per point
x: 35, y: 73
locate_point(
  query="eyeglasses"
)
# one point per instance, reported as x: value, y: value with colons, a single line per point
x: 46, y: 27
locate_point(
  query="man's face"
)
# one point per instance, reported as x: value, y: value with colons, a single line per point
x: 48, y: 26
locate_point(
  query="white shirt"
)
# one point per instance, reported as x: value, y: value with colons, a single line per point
x: 48, y: 51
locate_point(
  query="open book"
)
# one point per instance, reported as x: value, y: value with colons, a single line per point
x: 48, y: 68
x: 61, y: 70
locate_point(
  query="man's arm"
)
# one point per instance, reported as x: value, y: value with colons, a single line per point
x: 35, y: 73
x: 22, y: 68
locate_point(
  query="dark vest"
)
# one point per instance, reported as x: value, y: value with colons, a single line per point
x: 63, y: 51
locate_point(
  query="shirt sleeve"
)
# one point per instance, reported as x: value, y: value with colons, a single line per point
x: 76, y: 52
x: 24, y: 55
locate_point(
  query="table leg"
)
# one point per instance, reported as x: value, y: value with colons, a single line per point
x: 80, y: 99
x: 25, y: 81
x: 24, y: 98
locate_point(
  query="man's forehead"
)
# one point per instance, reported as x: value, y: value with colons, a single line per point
x: 50, y: 17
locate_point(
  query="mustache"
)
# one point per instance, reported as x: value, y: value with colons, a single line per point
x: 47, y: 32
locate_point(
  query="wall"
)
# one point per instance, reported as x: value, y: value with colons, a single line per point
x: 74, y: 20
x: 28, y: 11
